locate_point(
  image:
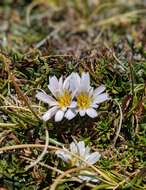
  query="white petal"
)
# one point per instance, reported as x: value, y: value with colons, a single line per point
x: 53, y: 85
x: 74, y: 81
x: 82, y: 112
x: 99, y: 90
x: 63, y: 155
x: 85, y: 78
x: 70, y: 114
x: 87, y: 151
x: 88, y: 177
x: 60, y: 84
x: 46, y: 98
x: 66, y: 83
x: 84, y: 88
x: 53, y: 81
x: 73, y: 148
x: 85, y: 82
x: 73, y: 104
x: 91, y: 91
x: 49, y: 113
x: 93, y: 158
x: 81, y: 148
x: 95, y: 106
x: 53, y: 90
x: 59, y: 115
x: 91, y: 112
x: 84, y: 178
x: 101, y: 98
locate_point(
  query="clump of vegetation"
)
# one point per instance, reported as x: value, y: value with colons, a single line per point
x: 105, y: 40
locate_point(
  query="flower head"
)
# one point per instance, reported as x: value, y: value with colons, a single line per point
x: 77, y: 154
x: 87, y: 98
x: 61, y: 103
x: 71, y: 96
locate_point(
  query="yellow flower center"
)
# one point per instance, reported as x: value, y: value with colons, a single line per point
x: 64, y: 100
x: 74, y: 161
x: 84, y: 100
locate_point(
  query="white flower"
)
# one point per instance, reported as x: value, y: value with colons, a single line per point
x: 87, y: 98
x: 61, y: 104
x: 76, y: 155
x: 82, y: 154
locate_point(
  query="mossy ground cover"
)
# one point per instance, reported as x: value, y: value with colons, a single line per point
x: 42, y: 38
